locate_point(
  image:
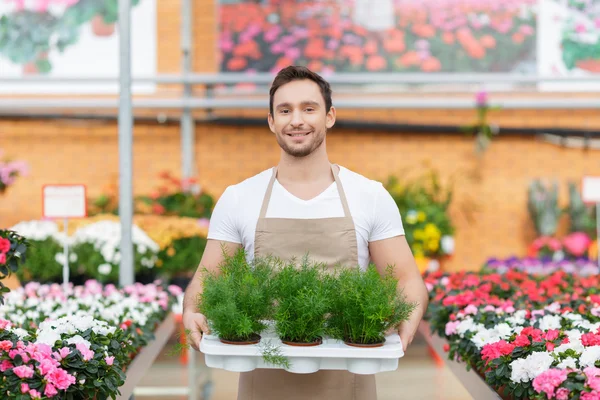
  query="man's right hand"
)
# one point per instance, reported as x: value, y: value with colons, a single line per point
x: 195, y: 325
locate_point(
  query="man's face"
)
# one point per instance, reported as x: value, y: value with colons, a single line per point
x: 300, y: 120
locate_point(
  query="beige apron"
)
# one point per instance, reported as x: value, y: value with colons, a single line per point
x: 326, y: 240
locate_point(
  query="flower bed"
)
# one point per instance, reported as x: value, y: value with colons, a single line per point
x: 583, y: 266
x: 165, y: 247
x: 528, y: 336
x: 75, y: 344
x: 424, y: 36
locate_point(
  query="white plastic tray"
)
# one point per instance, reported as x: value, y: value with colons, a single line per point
x: 331, y: 355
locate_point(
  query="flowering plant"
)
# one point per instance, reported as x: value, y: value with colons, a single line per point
x: 75, y: 344
x: 528, y: 336
x: 536, y: 266
x: 10, y: 170
x: 423, y: 204
x: 481, y: 128
x: 13, y: 249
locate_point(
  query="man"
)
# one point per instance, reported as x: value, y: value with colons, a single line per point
x: 308, y: 205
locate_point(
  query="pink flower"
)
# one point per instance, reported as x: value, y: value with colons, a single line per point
x: 451, y: 327
x: 562, y: 394
x: 24, y: 388
x: 470, y: 309
x: 6, y: 345
x: 4, y: 245
x: 590, y: 396
x: 60, y: 379
x: 577, y: 243
x: 109, y: 360
x: 593, y: 377
x: 2, y: 258
x: 552, y: 334
x: 175, y: 290
x: 23, y: 371
x: 496, y: 350
x: 5, y: 365
x: 580, y: 28
x: 85, y: 351
x: 35, y: 394
x: 61, y: 354
x: 4, y: 324
x: 50, y: 390
x: 549, y: 380
x: 522, y: 341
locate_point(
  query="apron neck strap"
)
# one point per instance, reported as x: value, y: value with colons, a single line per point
x: 267, y: 198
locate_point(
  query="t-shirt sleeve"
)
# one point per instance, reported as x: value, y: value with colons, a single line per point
x: 224, y: 219
x: 386, y: 221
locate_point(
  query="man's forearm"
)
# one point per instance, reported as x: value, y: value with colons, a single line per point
x: 190, y: 299
x: 415, y: 292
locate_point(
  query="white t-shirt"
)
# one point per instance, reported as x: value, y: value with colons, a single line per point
x: 373, y: 210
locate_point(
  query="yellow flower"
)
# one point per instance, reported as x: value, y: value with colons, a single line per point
x: 593, y: 250
x: 433, y: 245
x: 171, y: 252
x: 432, y: 231
x: 421, y: 216
x: 418, y: 234
x: 159, y: 263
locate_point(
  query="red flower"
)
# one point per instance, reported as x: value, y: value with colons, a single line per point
x: 4, y: 245
x: 590, y: 339
x: 493, y: 351
x: 552, y: 334
x: 521, y: 341
x: 446, y: 347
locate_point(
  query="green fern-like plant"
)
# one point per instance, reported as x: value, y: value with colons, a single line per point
x: 366, y: 305
x: 303, y: 298
x: 238, y: 297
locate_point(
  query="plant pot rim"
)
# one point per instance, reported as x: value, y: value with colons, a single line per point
x: 370, y: 345
x: 254, y: 339
x: 303, y: 344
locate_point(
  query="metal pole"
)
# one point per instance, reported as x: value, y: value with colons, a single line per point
x: 126, y: 276
x: 187, y: 121
x: 66, y: 262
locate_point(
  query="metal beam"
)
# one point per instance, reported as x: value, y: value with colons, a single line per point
x: 126, y: 274
x: 187, y: 128
x: 335, y: 78
x: 348, y: 103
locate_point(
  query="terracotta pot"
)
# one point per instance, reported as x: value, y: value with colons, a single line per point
x: 589, y: 65
x: 254, y: 340
x: 315, y: 343
x: 363, y: 345
x: 100, y: 28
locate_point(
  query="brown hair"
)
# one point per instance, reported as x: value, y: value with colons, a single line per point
x: 297, y: 73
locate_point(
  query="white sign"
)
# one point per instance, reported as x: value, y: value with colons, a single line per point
x: 590, y: 192
x: 64, y: 201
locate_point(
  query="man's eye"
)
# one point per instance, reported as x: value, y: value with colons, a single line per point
x: 310, y: 109
x: 284, y: 111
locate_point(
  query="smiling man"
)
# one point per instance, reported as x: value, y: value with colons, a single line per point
x: 304, y: 205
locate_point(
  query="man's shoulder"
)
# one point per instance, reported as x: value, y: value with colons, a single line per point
x: 358, y: 181
x: 252, y: 184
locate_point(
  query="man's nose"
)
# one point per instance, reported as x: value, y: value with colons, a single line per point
x: 297, y: 120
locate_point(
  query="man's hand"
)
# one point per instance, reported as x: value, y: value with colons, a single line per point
x: 195, y: 325
x: 407, y: 334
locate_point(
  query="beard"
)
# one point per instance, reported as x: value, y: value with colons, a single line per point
x: 305, y: 149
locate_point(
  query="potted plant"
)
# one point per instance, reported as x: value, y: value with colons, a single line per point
x: 13, y: 248
x: 366, y: 305
x: 303, y: 297
x: 238, y: 298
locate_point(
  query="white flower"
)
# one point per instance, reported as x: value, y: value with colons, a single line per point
x: 48, y: 336
x: 78, y: 339
x: 548, y: 322
x: 589, y: 356
x: 484, y: 337
x: 503, y: 330
x: 567, y: 363
x: 447, y: 244
x: 104, y: 269
x: 527, y: 369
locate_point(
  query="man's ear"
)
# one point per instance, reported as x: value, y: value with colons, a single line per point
x: 330, y: 118
x: 271, y: 122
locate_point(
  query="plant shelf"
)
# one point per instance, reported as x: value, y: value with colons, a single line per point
x: 331, y: 355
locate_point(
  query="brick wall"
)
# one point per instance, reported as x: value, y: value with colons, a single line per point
x: 493, y: 187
